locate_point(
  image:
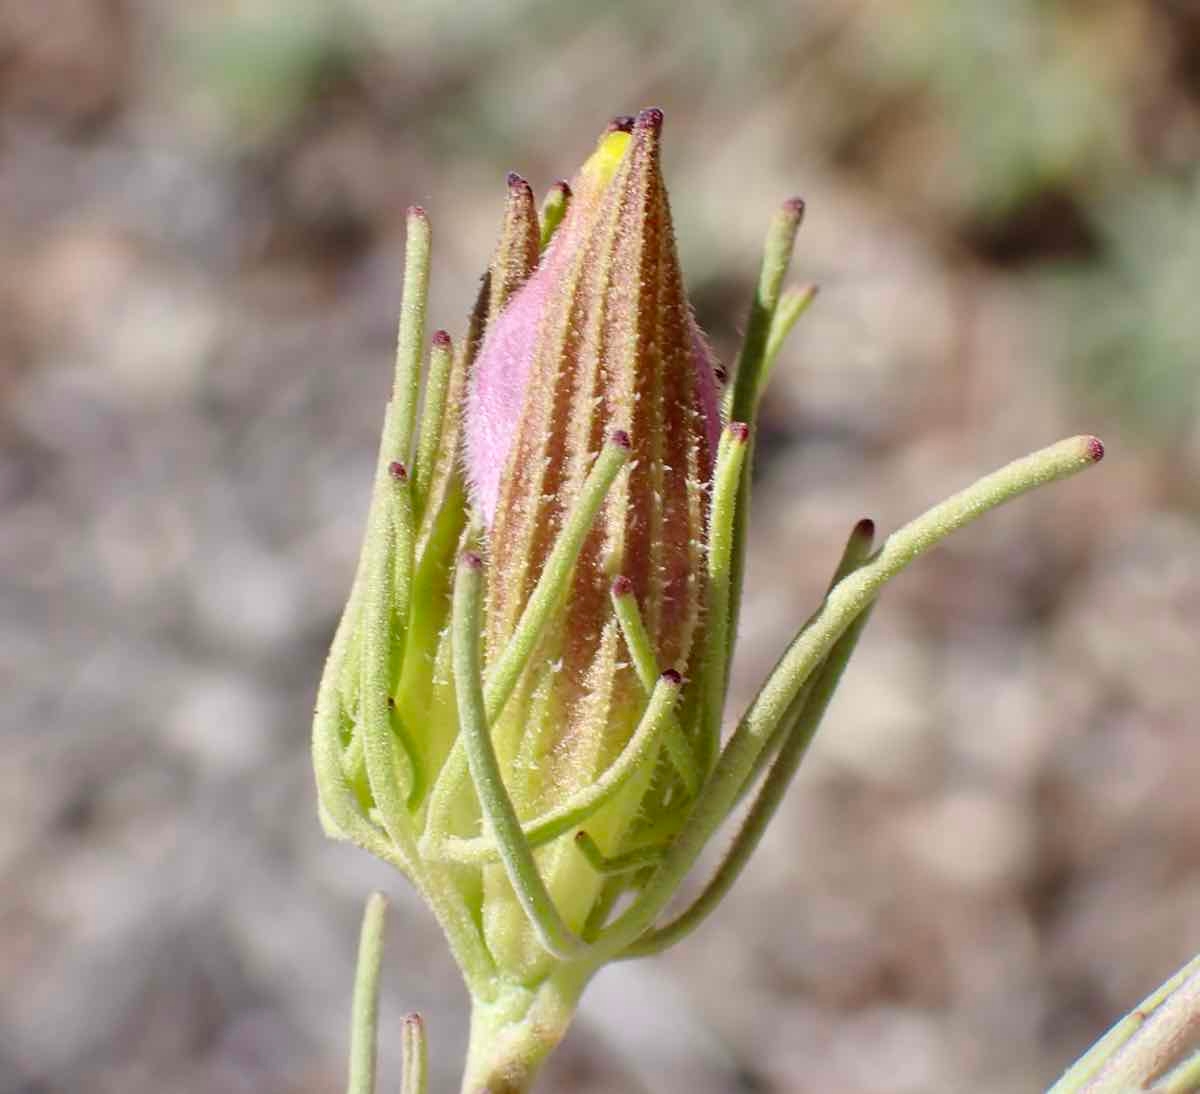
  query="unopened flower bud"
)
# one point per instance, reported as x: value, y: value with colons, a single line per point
x: 601, y: 337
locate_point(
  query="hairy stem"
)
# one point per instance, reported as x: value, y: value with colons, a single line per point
x: 364, y: 1021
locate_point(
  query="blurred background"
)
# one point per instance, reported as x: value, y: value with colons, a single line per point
x: 992, y: 850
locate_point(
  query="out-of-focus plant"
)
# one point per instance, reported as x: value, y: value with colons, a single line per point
x: 262, y: 66
x: 1131, y: 326
x: 523, y: 707
x: 1025, y: 87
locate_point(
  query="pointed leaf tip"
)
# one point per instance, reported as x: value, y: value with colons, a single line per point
x: 739, y: 432
x: 672, y: 677
x: 516, y: 182
x: 865, y: 529
x: 721, y: 375
x: 416, y: 212
x: 649, y: 120
x: 554, y: 209
x: 622, y: 123
x: 795, y: 206
x: 441, y: 338
x: 398, y: 471
x: 1095, y: 449
x: 620, y: 439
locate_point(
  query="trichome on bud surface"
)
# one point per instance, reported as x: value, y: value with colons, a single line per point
x: 523, y: 707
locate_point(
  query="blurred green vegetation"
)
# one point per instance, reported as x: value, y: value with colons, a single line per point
x: 1026, y: 90
x: 262, y: 68
x: 1132, y: 323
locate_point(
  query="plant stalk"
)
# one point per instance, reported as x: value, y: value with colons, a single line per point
x: 512, y: 1035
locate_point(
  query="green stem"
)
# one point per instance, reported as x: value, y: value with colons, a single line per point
x: 815, y: 701
x: 624, y: 863
x: 364, y: 1021
x: 792, y: 304
x: 496, y: 805
x: 403, y: 541
x: 381, y: 735
x: 379, y: 740
x: 441, y: 360
x: 411, y: 333
x: 727, y: 479
x: 645, y: 664
x: 512, y: 1034
x: 552, y: 584
x: 341, y: 813
x: 742, y: 397
x: 858, y: 547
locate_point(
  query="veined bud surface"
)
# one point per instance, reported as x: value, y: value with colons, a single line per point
x: 599, y: 340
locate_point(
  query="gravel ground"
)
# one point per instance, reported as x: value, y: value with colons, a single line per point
x: 992, y: 850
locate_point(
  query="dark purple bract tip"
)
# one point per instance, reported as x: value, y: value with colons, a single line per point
x: 865, y: 528
x: 620, y: 438
x: 650, y: 119
x: 1095, y: 449
x: 441, y: 339
x: 563, y: 187
x: 415, y: 212
x: 622, y: 123
x: 515, y: 181
x: 795, y: 206
x: 738, y: 431
x: 414, y: 1020
x: 398, y: 471
x: 671, y: 676
x: 721, y: 374
x: 471, y: 560
x: 622, y: 585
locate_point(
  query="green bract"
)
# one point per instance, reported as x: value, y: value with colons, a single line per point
x: 523, y: 707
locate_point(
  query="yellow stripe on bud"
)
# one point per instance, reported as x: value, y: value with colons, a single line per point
x: 601, y: 165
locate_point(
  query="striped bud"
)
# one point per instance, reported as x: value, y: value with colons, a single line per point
x: 600, y: 338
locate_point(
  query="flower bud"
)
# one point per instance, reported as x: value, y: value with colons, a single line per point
x: 601, y: 338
